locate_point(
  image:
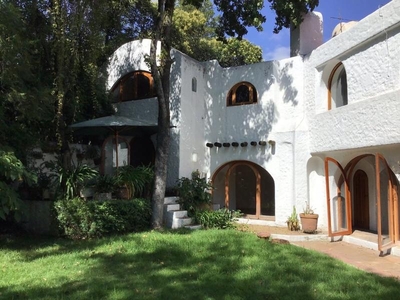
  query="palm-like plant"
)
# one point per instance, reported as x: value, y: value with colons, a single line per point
x: 136, y: 179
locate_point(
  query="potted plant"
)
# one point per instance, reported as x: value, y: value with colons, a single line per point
x: 104, y: 186
x: 134, y: 181
x: 293, y: 221
x: 309, y: 220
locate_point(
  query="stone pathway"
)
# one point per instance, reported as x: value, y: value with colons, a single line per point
x: 357, y: 256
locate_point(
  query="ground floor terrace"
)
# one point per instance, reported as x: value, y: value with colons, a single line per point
x: 356, y: 193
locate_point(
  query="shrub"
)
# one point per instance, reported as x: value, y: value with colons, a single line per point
x: 220, y: 219
x: 80, y: 219
x: 12, y: 173
x: 193, y: 192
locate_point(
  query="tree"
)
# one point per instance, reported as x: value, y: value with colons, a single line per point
x: 193, y: 33
x: 291, y: 12
x: 235, y: 16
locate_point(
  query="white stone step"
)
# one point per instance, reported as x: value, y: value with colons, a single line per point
x: 168, y: 207
x: 178, y: 213
x: 194, y: 227
x: 171, y: 200
x: 181, y: 222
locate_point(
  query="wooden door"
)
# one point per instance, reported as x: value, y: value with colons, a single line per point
x: 361, y: 200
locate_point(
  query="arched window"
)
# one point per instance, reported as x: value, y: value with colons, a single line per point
x: 194, y: 84
x: 134, y: 86
x: 242, y: 93
x: 337, y: 87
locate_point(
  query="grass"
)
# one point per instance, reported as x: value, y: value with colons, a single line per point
x: 179, y: 265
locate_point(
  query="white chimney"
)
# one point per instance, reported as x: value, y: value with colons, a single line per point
x: 308, y: 36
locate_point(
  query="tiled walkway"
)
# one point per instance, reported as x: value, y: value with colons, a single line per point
x: 360, y: 257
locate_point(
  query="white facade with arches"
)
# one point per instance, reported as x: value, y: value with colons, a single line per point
x: 279, y: 121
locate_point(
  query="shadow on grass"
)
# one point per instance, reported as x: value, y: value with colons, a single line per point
x: 204, y: 265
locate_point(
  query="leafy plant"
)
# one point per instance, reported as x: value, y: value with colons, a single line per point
x: 105, y: 184
x: 135, y: 180
x: 220, y: 219
x: 81, y: 219
x: 71, y: 179
x: 293, y: 220
x: 11, y: 171
x: 308, y: 210
x: 194, y: 192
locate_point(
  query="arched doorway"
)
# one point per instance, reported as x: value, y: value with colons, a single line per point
x: 245, y: 186
x: 142, y: 152
x: 354, y: 194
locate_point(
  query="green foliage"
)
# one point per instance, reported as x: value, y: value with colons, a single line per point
x: 219, y: 219
x: 11, y: 171
x: 293, y: 220
x: 236, y: 15
x: 290, y: 12
x: 81, y: 219
x: 194, y: 34
x: 71, y: 179
x: 105, y: 184
x: 135, y: 179
x: 193, y: 192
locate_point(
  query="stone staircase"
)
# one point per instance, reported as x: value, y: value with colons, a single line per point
x: 174, y: 217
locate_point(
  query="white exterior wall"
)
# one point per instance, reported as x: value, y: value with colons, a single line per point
x: 291, y: 111
x: 369, y: 123
x: 191, y: 127
x: 278, y: 115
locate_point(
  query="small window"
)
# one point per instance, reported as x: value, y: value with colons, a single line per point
x: 242, y: 93
x: 194, y: 84
x: 337, y: 93
x: 134, y: 86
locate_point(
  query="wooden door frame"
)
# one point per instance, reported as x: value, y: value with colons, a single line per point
x: 392, y: 216
x: 347, y: 198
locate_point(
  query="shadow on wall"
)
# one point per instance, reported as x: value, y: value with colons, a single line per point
x: 252, y: 122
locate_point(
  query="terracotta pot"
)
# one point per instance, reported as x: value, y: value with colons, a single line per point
x: 309, y: 223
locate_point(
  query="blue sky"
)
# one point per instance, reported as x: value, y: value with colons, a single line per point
x: 276, y: 46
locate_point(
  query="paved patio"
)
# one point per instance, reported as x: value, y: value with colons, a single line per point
x: 357, y: 256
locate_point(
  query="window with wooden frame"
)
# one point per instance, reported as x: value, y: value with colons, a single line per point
x: 242, y: 93
x: 337, y: 87
x: 133, y: 86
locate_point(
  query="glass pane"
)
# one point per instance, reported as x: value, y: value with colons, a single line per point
x: 242, y: 94
x: 244, y: 189
x: 338, y: 207
x: 385, y: 228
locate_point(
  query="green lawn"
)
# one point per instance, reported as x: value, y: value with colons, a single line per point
x: 179, y: 265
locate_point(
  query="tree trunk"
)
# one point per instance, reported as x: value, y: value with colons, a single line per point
x: 161, y: 75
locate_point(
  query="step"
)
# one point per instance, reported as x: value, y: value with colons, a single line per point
x: 177, y: 214
x: 169, y: 207
x: 181, y: 222
x: 194, y: 227
x: 171, y: 200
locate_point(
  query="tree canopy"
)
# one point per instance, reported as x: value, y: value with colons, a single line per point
x: 53, y: 55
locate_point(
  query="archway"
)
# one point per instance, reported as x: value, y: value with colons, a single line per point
x: 245, y: 186
x: 142, y: 152
x: 365, y: 187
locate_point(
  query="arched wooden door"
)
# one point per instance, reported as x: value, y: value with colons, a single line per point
x: 361, y: 200
x: 247, y: 184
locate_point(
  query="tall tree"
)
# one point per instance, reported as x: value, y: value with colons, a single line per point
x: 193, y: 33
x: 235, y: 17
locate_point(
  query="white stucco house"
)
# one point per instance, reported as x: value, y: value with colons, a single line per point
x: 321, y: 127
